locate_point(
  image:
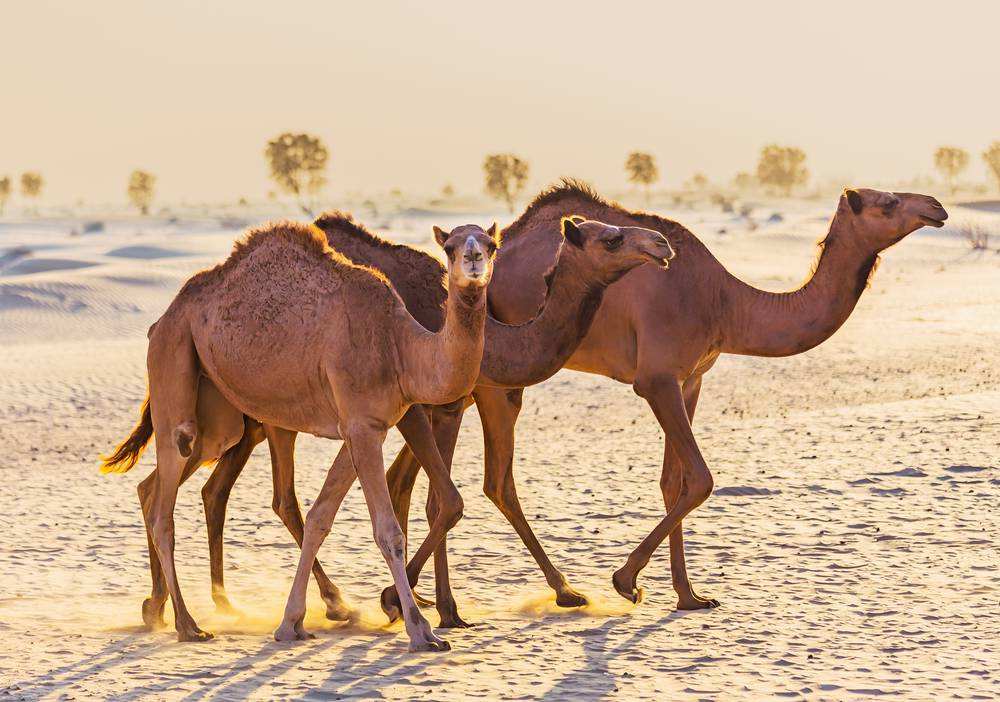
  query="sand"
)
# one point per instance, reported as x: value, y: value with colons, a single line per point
x: 851, y: 538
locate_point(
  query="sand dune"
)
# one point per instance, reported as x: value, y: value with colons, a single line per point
x: 851, y: 536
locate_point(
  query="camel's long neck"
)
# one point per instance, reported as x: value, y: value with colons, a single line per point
x: 759, y: 323
x: 443, y: 366
x: 517, y: 356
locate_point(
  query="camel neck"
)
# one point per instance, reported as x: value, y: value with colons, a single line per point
x: 760, y: 323
x: 443, y: 366
x: 516, y: 356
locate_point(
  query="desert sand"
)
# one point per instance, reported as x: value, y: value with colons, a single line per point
x: 851, y: 538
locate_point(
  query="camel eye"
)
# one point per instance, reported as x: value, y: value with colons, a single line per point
x: 614, y: 242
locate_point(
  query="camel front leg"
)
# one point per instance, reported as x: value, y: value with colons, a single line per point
x: 285, y: 503
x: 447, y: 510
x: 665, y: 397
x: 365, y: 444
x: 338, y: 481
x: 498, y: 410
x: 447, y: 424
x: 670, y: 484
x: 215, y: 497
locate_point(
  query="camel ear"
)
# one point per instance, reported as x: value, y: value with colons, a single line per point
x: 571, y: 232
x: 854, y: 200
x: 494, y: 234
x: 577, y: 219
x: 440, y: 236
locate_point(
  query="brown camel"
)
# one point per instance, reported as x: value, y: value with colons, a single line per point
x: 594, y: 256
x: 661, y: 333
x: 290, y: 331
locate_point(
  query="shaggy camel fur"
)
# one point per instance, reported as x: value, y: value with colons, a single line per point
x: 593, y: 256
x: 291, y: 332
x: 661, y: 333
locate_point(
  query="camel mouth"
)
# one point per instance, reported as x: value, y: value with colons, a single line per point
x: 659, y: 260
x: 931, y: 222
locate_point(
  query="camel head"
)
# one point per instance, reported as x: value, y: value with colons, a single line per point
x: 470, y: 252
x: 614, y: 251
x: 880, y: 219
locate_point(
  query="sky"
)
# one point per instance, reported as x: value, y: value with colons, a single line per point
x: 412, y: 95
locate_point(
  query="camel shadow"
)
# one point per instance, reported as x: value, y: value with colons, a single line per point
x: 602, y: 683
x: 112, y: 655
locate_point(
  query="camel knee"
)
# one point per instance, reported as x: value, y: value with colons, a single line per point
x: 698, y: 485
x: 391, y: 541
x: 646, y: 386
x: 317, y: 523
x: 451, y: 508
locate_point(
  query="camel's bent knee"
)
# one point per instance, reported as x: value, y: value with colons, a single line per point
x: 699, y: 484
x: 646, y: 386
x: 452, y: 510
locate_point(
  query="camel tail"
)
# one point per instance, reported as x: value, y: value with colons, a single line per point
x: 128, y: 452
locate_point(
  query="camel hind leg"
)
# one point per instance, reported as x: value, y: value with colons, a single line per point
x: 215, y: 498
x: 281, y: 443
x: 175, y: 397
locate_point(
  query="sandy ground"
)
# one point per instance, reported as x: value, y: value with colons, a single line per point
x: 851, y: 537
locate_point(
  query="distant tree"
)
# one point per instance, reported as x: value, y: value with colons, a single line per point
x: 506, y: 176
x: 699, y: 181
x: 642, y: 170
x: 782, y: 167
x: 744, y: 181
x: 951, y: 161
x: 448, y: 190
x: 31, y: 184
x: 297, y: 163
x: 140, y: 190
x: 992, y: 158
x: 4, y: 192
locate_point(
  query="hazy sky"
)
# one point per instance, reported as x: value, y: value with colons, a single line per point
x: 413, y: 94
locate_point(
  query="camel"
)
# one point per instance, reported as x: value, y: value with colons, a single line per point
x: 289, y: 331
x: 591, y: 257
x: 661, y: 334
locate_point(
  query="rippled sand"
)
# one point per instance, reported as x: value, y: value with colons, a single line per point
x: 851, y: 538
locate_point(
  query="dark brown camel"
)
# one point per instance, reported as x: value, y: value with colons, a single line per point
x: 661, y: 333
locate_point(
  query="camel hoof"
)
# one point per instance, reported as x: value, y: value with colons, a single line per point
x: 697, y: 602
x: 453, y: 621
x: 569, y: 597
x: 450, y: 618
x: 422, y: 601
x: 224, y: 606
x: 338, y: 611
x: 390, y: 604
x: 152, y: 614
x: 291, y: 633
x: 630, y: 592
x: 439, y: 646
x: 194, y: 635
